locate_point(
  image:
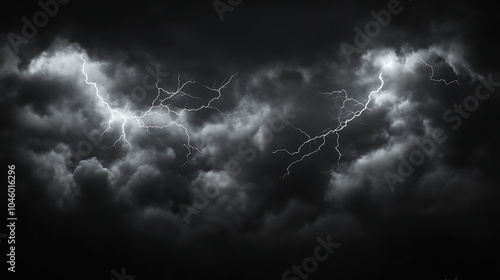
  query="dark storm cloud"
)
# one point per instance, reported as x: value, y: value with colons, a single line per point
x: 125, y: 206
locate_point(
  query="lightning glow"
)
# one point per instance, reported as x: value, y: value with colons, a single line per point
x: 161, y: 107
x: 358, y: 109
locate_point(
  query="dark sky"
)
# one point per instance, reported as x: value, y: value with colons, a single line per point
x: 283, y: 140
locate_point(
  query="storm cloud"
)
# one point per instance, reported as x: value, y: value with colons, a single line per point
x: 191, y: 147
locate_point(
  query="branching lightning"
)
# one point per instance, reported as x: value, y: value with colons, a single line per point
x: 440, y: 80
x: 112, y: 111
x: 343, y: 121
x: 161, y: 107
x: 348, y: 111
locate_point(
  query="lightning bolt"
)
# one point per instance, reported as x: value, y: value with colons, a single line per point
x: 343, y: 122
x: 112, y: 111
x: 161, y: 107
x: 440, y: 80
